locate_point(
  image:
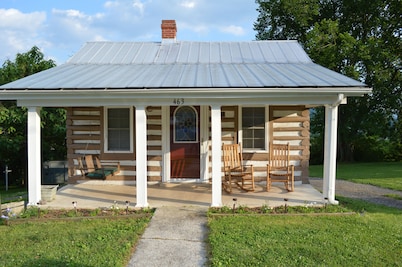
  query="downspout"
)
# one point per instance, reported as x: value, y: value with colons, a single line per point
x: 339, y: 100
x: 330, y: 149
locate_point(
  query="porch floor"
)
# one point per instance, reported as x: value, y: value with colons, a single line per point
x: 101, y: 195
x: 95, y: 194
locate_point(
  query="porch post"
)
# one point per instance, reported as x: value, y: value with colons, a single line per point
x: 141, y: 156
x: 34, y: 156
x: 216, y: 140
x: 330, y: 147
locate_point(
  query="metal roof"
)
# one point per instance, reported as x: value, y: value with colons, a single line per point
x: 120, y: 65
x: 191, y: 53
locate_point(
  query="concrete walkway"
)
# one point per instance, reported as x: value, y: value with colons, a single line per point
x: 176, y: 236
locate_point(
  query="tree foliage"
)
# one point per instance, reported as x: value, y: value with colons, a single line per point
x: 360, y: 39
x: 13, y: 119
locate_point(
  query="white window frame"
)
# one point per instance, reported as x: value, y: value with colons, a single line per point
x: 240, y: 130
x: 106, y: 127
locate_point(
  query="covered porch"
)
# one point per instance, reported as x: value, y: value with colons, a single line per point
x: 100, y: 195
x: 142, y: 193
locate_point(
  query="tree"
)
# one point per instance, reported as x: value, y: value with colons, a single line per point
x: 360, y: 39
x: 13, y: 119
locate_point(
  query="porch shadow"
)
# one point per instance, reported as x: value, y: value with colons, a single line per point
x: 89, y: 195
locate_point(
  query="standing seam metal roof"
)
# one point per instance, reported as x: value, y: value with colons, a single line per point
x: 191, y: 53
x: 186, y: 65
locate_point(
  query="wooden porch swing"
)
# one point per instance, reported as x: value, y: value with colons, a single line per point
x: 91, y: 167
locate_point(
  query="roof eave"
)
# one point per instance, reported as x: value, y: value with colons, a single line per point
x: 192, y: 96
x: 346, y: 90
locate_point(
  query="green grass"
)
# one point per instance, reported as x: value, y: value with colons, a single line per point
x: 87, y: 242
x: 14, y: 193
x: 383, y: 174
x: 372, y: 237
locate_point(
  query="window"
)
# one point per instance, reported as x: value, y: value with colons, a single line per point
x: 253, y: 127
x: 119, y: 130
x: 185, y: 125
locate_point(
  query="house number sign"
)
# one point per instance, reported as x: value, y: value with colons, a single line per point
x: 178, y: 101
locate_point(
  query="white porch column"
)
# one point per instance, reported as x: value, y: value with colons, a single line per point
x: 34, y: 156
x: 330, y: 147
x: 216, y: 140
x: 141, y: 156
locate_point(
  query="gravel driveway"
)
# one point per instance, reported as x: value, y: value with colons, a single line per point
x: 369, y: 193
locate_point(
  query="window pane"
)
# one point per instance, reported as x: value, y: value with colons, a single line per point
x: 247, y: 143
x: 259, y: 122
x: 259, y: 143
x: 119, y: 129
x: 185, y: 121
x: 247, y: 133
x: 119, y: 118
x: 253, y: 126
x: 259, y: 134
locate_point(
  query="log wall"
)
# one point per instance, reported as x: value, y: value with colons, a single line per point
x: 287, y: 124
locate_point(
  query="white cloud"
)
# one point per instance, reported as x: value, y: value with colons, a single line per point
x: 188, y: 4
x: 70, y: 13
x: 19, y: 32
x: 71, y: 25
x: 13, y: 19
x: 232, y: 29
x: 139, y: 5
x: 125, y: 8
x: 198, y: 28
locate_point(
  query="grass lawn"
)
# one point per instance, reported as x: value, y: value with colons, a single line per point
x: 384, y: 174
x: 14, y: 193
x: 87, y: 242
x: 373, y: 238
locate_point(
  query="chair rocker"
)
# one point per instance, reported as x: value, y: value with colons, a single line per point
x: 279, y: 168
x: 234, y: 170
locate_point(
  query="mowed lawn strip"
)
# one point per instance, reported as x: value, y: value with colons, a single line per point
x: 86, y: 242
x: 383, y: 174
x: 371, y: 237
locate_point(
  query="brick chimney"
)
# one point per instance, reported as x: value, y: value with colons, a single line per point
x: 168, y: 30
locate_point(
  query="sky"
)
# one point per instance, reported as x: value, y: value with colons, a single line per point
x: 61, y: 27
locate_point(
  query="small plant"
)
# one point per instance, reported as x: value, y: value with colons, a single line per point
x: 145, y: 210
x: 115, y: 208
x: 74, y: 213
x: 31, y: 212
x: 242, y: 209
x: 95, y: 212
x: 265, y: 208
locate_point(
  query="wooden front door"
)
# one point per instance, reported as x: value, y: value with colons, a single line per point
x: 185, y: 142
